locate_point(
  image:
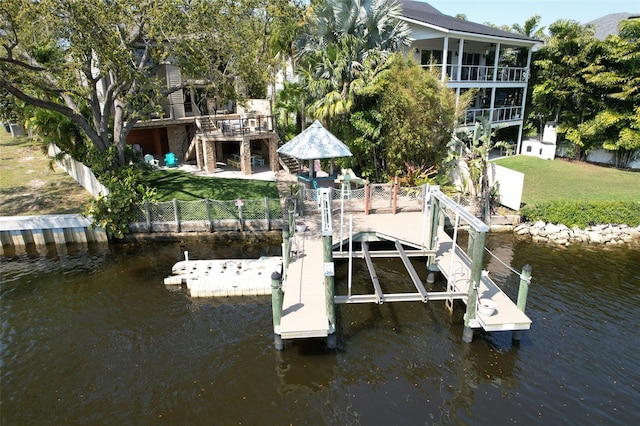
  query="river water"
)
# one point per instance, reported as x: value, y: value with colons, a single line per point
x: 94, y: 337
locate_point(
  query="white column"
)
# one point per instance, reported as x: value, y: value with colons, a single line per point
x: 496, y: 59
x: 519, y: 145
x: 492, y: 104
x: 445, y: 51
x: 460, y: 53
x: 528, y: 65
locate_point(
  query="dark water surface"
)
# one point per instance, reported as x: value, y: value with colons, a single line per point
x: 96, y: 338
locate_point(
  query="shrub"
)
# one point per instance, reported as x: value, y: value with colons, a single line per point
x: 114, y: 211
x: 583, y: 214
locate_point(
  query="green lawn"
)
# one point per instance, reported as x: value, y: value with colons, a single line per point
x: 28, y: 184
x: 559, y: 179
x: 185, y: 186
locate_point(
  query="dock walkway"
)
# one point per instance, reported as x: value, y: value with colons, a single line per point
x: 304, y: 311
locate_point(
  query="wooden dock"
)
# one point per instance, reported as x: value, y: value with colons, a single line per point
x: 304, y: 307
x: 304, y: 311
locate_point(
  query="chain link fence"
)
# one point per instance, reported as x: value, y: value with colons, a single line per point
x: 271, y: 214
x: 208, y: 216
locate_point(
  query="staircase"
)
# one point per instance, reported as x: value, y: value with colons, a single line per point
x: 205, y: 125
x: 290, y: 164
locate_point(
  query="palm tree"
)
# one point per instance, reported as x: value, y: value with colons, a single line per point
x: 531, y: 28
x: 344, y: 37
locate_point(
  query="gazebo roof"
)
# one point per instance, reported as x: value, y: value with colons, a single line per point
x: 315, y: 142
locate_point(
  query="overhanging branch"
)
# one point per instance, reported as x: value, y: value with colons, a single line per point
x: 62, y: 109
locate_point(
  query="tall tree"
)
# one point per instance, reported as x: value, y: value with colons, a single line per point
x: 418, y: 113
x: 96, y: 62
x: 341, y: 38
x: 531, y: 28
x: 560, y: 92
x: 614, y: 78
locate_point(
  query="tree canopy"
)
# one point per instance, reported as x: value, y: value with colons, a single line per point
x: 614, y: 81
x: 96, y: 62
x: 345, y: 41
x: 590, y: 87
x: 418, y: 116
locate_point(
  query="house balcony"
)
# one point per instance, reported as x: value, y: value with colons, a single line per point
x: 235, y: 124
x: 483, y: 73
x: 497, y: 115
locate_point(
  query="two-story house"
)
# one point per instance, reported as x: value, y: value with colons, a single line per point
x: 474, y: 56
x: 197, y: 127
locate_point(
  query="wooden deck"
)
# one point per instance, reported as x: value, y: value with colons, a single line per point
x: 304, y: 308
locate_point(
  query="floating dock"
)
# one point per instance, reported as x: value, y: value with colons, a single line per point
x: 225, y: 277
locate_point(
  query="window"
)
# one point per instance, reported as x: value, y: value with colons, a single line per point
x: 427, y: 57
x: 187, y: 101
x: 471, y: 59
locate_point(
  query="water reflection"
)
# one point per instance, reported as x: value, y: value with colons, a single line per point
x: 306, y: 366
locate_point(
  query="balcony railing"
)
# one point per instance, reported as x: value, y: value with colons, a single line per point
x: 483, y: 73
x: 473, y: 115
x: 512, y: 74
x: 507, y: 113
x: 233, y: 124
x: 499, y: 115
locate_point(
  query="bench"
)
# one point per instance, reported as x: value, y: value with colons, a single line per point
x: 234, y: 163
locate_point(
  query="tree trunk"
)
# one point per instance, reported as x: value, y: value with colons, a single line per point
x: 119, y: 134
x: 485, y: 196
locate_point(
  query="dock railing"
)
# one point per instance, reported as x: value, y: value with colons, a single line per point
x: 379, y: 197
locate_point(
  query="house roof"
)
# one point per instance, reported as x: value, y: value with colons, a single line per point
x: 609, y: 24
x: 425, y: 13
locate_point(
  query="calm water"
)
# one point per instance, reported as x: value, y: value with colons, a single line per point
x: 96, y: 338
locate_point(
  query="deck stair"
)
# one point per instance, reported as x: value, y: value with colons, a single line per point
x: 289, y: 164
x: 206, y: 125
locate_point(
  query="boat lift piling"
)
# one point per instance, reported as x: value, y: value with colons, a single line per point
x: 286, y: 248
x: 329, y: 269
x: 523, y: 291
x: 435, y: 216
x: 276, y: 306
x: 477, y: 255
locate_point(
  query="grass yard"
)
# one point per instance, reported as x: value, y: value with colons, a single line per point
x: 185, y: 186
x: 559, y: 179
x: 28, y: 185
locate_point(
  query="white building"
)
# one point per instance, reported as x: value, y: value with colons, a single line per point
x: 477, y: 56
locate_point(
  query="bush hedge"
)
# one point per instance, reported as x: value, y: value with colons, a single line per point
x: 583, y: 214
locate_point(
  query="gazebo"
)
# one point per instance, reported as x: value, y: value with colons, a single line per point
x: 313, y: 144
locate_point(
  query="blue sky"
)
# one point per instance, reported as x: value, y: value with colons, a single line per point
x: 502, y: 12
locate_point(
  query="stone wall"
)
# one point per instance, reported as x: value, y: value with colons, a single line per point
x: 562, y: 235
x: 177, y: 136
